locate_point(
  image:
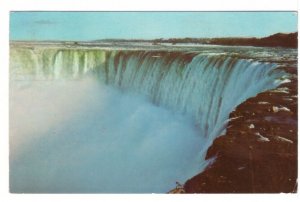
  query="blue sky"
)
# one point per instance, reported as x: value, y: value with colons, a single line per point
x: 147, y: 25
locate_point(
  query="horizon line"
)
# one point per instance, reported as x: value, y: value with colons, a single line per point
x: 144, y: 39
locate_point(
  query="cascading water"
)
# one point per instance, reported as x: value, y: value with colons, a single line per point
x: 203, y: 86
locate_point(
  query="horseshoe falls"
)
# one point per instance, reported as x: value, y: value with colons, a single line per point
x: 118, y: 119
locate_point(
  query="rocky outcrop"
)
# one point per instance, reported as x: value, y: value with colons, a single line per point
x: 258, y: 154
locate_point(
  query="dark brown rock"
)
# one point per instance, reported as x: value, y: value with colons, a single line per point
x: 258, y: 154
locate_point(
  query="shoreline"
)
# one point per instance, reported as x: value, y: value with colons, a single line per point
x: 258, y: 153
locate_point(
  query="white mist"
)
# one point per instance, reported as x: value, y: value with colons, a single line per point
x: 81, y: 136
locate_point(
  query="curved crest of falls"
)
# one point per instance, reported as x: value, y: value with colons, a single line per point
x: 201, y: 86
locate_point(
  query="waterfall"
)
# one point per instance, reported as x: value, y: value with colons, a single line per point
x: 145, y: 123
x: 206, y: 86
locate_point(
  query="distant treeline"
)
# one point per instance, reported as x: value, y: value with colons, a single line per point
x: 276, y: 40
